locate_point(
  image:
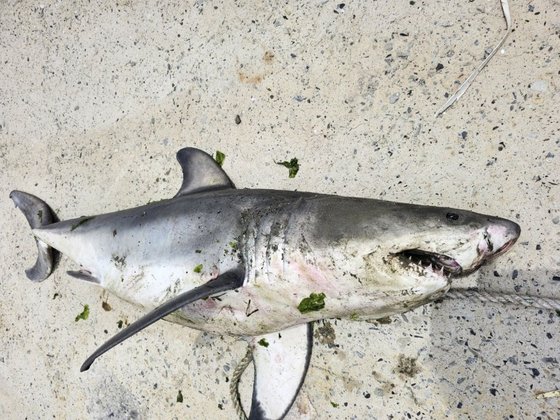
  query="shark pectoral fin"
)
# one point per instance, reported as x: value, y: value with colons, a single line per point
x: 281, y: 360
x: 200, y: 172
x: 229, y: 280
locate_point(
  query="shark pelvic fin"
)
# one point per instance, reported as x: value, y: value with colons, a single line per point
x: 200, y: 172
x: 224, y: 282
x: 84, y: 275
x: 38, y: 214
x: 281, y: 360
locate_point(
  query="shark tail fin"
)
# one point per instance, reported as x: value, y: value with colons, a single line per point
x: 38, y: 214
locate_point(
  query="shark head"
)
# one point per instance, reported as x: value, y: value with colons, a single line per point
x: 426, y: 244
x: 452, y: 242
x: 410, y: 247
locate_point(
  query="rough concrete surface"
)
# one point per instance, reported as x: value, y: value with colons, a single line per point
x: 96, y: 97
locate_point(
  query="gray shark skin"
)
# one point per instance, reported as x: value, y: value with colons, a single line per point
x: 265, y: 264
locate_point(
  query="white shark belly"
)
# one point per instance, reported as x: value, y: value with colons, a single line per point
x: 270, y: 301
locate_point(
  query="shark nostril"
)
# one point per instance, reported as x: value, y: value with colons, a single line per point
x: 488, y: 240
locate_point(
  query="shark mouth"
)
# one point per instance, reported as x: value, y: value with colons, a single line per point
x: 425, y: 261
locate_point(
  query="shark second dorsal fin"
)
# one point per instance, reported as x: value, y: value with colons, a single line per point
x: 200, y: 172
x: 281, y: 360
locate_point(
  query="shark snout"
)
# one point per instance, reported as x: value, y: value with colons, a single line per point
x: 501, y: 234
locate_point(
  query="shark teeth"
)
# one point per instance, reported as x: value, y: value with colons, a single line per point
x: 425, y: 262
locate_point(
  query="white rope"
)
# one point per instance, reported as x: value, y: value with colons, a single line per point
x: 466, y: 84
x: 529, y: 301
x: 234, y: 384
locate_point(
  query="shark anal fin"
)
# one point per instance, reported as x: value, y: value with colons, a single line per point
x: 281, y: 360
x: 200, y: 172
x: 227, y: 281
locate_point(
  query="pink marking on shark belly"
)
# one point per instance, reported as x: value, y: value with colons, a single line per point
x: 314, y: 276
x: 208, y: 304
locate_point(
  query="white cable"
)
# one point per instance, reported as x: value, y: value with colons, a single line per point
x: 466, y: 84
x: 529, y: 301
x: 234, y: 384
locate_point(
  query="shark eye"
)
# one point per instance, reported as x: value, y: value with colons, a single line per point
x: 452, y: 216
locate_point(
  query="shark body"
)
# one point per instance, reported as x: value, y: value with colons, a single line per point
x: 265, y: 264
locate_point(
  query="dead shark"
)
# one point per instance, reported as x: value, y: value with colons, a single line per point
x: 265, y: 264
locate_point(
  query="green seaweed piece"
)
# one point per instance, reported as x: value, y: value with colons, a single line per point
x: 314, y: 302
x: 335, y: 405
x: 84, y: 315
x: 263, y: 342
x: 179, y: 397
x: 81, y: 222
x: 220, y: 157
x: 292, y: 165
x: 198, y: 268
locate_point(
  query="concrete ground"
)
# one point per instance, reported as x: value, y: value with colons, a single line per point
x: 96, y: 97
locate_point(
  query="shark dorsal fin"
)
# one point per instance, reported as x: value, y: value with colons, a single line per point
x: 200, y: 172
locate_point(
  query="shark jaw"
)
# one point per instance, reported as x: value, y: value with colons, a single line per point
x: 445, y: 258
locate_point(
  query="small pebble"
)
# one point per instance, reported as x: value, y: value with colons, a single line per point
x: 439, y: 67
x: 539, y: 86
x: 237, y: 119
x: 394, y: 98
